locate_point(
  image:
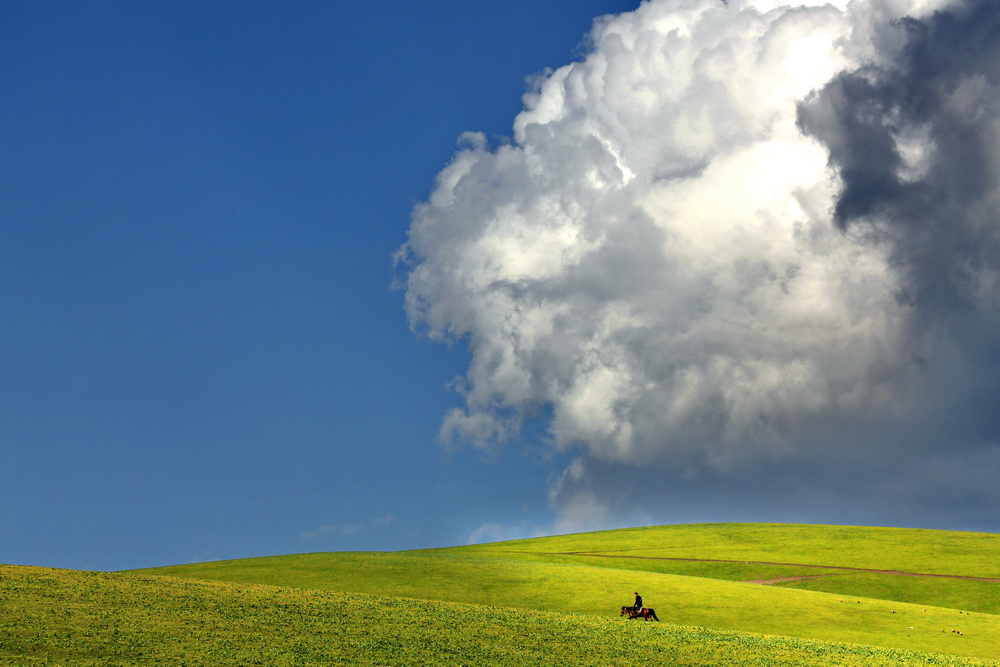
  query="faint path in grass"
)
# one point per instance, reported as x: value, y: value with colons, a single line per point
x: 781, y: 580
x: 761, y: 562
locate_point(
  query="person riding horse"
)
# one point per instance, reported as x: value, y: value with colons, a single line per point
x: 645, y: 613
x: 638, y: 603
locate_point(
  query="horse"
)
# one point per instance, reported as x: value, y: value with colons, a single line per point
x: 645, y: 613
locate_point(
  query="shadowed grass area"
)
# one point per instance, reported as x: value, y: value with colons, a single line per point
x: 956, y: 593
x: 60, y: 617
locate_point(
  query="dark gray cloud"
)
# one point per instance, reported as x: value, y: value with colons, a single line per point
x: 910, y: 484
x: 915, y: 142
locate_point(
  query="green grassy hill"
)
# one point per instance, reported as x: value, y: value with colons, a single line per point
x: 60, y: 617
x: 595, y: 573
x: 538, y: 601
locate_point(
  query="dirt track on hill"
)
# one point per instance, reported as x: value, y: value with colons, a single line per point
x: 780, y: 580
x: 769, y: 581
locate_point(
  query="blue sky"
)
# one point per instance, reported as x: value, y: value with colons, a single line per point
x: 202, y: 355
x: 670, y: 292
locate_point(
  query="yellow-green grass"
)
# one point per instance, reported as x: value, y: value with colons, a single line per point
x: 908, y: 549
x: 60, y: 617
x: 601, y: 591
x: 964, y: 594
x: 738, y: 552
x: 558, y: 574
x: 955, y: 593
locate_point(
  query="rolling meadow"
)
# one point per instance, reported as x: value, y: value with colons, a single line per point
x: 755, y: 594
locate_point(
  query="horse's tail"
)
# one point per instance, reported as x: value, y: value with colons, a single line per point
x: 653, y: 614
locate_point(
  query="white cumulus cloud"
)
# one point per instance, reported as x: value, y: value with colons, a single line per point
x: 652, y: 261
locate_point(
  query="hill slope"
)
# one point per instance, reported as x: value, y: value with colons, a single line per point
x: 941, y: 568
x: 595, y: 573
x: 59, y: 617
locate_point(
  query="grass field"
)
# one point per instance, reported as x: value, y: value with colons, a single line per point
x: 535, y: 601
x: 912, y: 550
x: 595, y: 574
x: 59, y: 617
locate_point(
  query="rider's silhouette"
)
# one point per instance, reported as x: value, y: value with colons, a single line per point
x: 638, y: 603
